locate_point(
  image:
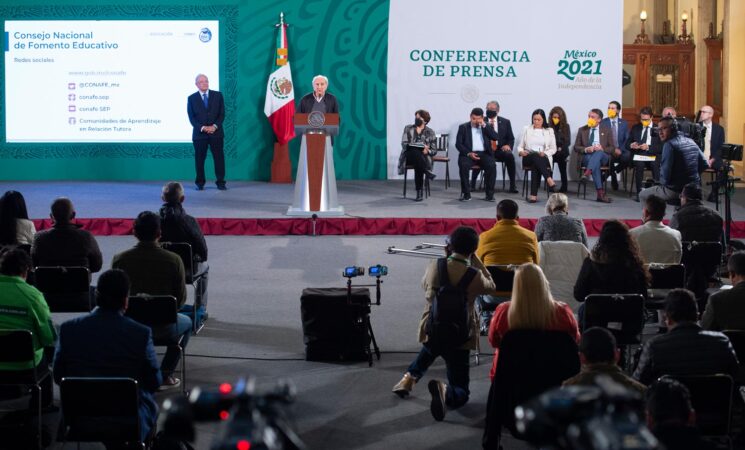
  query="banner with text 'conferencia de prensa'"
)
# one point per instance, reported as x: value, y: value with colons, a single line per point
x: 450, y: 59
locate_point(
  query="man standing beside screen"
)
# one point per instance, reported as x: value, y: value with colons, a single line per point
x: 206, y: 110
x: 319, y: 99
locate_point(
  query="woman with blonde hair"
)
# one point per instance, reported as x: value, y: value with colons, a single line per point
x: 531, y: 308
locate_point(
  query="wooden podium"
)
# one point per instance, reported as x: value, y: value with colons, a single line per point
x: 315, y: 183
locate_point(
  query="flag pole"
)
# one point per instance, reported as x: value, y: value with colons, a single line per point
x: 281, y: 165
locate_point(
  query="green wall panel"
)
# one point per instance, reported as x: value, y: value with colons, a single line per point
x: 344, y: 40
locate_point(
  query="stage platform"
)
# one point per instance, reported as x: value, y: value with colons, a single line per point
x: 373, y: 207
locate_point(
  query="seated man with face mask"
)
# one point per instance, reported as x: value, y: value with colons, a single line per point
x: 417, y: 149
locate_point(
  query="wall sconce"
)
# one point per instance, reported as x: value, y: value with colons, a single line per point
x: 684, y: 38
x: 642, y: 37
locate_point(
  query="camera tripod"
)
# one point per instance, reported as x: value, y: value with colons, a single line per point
x: 366, y: 316
x: 727, y: 182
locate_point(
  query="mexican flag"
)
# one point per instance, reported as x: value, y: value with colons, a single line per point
x: 279, y: 105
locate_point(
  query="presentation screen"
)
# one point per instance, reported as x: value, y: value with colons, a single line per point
x: 105, y: 80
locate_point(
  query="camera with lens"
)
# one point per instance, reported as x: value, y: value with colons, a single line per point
x: 249, y: 419
x: 606, y: 416
x: 731, y: 152
x: 353, y: 271
x: 377, y: 271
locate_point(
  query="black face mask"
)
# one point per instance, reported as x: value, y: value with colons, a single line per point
x: 491, y: 114
x: 418, y: 122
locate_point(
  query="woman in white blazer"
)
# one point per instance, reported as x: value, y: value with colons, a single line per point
x: 537, y: 147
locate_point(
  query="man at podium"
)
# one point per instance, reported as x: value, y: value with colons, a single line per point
x: 319, y: 99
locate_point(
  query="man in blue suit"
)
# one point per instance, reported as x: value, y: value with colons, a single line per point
x: 206, y: 110
x: 104, y: 343
x: 621, y: 156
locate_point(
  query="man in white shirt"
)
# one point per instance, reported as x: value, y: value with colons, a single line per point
x: 658, y: 243
x: 644, y: 140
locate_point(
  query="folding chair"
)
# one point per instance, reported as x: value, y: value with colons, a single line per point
x: 582, y: 185
x: 665, y: 277
x: 737, y: 338
x: 621, y: 314
x: 66, y: 289
x: 711, y: 397
x: 194, y: 278
x: 530, y: 363
x: 702, y: 261
x: 503, y: 276
x: 158, y: 311
x: 443, y: 156
x: 101, y: 410
x: 406, y: 177
x: 17, y: 346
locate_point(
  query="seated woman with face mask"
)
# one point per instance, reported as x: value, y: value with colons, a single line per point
x: 417, y: 149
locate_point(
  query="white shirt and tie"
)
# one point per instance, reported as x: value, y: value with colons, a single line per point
x: 477, y: 139
x: 707, y: 141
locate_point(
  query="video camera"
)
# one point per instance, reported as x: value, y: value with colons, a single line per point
x: 250, y: 420
x: 731, y: 152
x: 607, y: 416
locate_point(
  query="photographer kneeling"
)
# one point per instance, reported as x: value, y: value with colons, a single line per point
x: 448, y: 327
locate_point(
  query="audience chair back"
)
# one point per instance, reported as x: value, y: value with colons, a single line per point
x: 66, y: 289
x: 183, y: 249
x: 443, y: 155
x: 665, y: 277
x: 702, y: 261
x: 530, y: 363
x: 561, y: 262
x: 100, y: 410
x: 711, y: 397
x: 158, y: 311
x: 622, y: 314
x: 737, y: 338
x: 504, y: 277
x: 17, y: 346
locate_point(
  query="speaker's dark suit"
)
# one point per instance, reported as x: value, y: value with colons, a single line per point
x: 655, y: 149
x: 717, y: 139
x: 464, y: 144
x: 202, y: 116
x: 104, y: 343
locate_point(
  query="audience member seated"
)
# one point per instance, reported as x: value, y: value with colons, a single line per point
x: 461, y: 261
x: 505, y: 243
x: 537, y: 148
x: 695, y: 221
x: 657, y: 242
x: 155, y: 271
x: 15, y: 227
x: 420, y: 135
x: 66, y: 244
x: 177, y: 226
x: 671, y: 418
x: 686, y: 349
x: 725, y: 310
x: 613, y: 267
x: 22, y: 307
x: 105, y: 343
x: 557, y: 225
x: 599, y: 355
x: 531, y: 308
x: 682, y: 162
